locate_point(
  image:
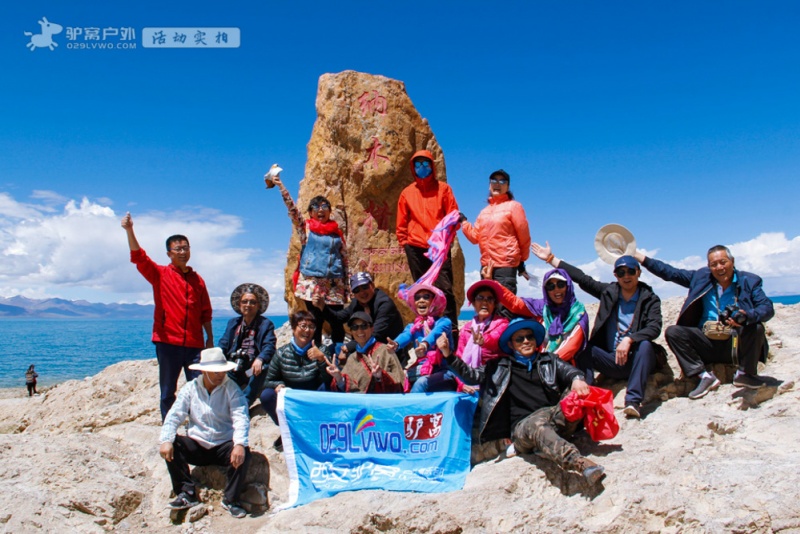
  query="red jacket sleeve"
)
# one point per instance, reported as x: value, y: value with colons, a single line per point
x: 145, y: 265
x: 520, y: 222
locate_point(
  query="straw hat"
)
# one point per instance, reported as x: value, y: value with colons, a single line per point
x: 260, y: 293
x: 613, y: 241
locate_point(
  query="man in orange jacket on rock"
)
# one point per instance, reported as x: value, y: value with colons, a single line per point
x: 419, y: 209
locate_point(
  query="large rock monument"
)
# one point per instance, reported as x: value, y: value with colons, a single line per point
x: 365, y: 134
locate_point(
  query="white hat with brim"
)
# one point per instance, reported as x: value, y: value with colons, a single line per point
x: 613, y: 241
x: 555, y: 276
x: 213, y: 361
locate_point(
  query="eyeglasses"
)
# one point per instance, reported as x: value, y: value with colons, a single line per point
x: 484, y: 298
x: 308, y: 327
x: 181, y: 249
x: 498, y: 181
x: 320, y: 207
x: 560, y: 284
x: 622, y: 271
x: 251, y: 302
x: 360, y: 326
x: 359, y: 289
x: 523, y: 337
x: 423, y: 296
x: 422, y: 163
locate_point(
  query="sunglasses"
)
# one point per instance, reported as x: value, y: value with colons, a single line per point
x: 249, y: 301
x: 523, y: 337
x: 622, y: 271
x: 320, y: 207
x: 423, y: 296
x: 560, y: 284
x: 484, y: 298
x: 359, y: 326
x: 498, y: 181
x: 359, y: 289
x: 307, y: 327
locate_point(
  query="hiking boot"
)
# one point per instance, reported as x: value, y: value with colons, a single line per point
x: 278, y: 444
x: 591, y: 471
x: 183, y: 501
x: 709, y: 383
x: 748, y: 381
x: 633, y: 410
x: 234, y: 508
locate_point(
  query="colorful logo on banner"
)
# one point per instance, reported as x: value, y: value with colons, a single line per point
x: 340, y: 442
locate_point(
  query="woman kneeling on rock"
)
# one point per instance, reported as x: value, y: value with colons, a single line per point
x: 521, y: 395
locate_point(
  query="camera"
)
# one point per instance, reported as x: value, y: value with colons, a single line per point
x: 241, y: 360
x: 731, y: 311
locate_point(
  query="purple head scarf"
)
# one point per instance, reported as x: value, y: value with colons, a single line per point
x: 560, y: 311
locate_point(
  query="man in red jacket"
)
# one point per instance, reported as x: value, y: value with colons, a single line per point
x: 419, y: 209
x: 182, y: 311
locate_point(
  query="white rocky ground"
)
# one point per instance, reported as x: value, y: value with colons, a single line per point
x: 84, y: 457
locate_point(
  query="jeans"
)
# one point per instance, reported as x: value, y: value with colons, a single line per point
x: 641, y: 362
x: 171, y: 359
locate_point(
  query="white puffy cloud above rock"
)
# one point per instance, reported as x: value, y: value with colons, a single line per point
x: 81, y: 249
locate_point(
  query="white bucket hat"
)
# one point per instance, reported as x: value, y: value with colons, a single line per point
x: 213, y: 361
x: 613, y: 241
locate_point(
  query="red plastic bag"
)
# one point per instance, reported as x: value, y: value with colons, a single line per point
x: 597, y: 411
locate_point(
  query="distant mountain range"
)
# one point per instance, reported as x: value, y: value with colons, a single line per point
x: 25, y: 308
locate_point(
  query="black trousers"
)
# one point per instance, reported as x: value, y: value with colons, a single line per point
x: 419, y: 265
x: 694, y: 350
x: 337, y: 328
x: 506, y: 277
x: 188, y: 451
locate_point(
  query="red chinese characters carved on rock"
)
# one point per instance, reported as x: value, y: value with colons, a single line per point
x: 371, y: 106
x: 372, y: 153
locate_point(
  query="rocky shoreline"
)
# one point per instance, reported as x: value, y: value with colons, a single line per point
x: 84, y: 457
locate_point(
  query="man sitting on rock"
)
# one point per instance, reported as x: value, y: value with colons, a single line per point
x: 218, y: 432
x: 520, y: 398
x: 718, y: 295
x: 386, y: 319
x: 628, y: 321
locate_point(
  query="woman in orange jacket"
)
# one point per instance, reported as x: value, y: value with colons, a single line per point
x: 501, y: 231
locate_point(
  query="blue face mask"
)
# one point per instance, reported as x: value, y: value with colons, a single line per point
x: 422, y: 168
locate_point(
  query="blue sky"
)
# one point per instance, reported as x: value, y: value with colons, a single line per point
x: 680, y: 120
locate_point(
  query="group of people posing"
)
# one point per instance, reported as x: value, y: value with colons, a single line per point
x: 521, y: 355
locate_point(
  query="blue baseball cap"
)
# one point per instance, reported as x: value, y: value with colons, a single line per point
x: 626, y: 261
x: 360, y: 279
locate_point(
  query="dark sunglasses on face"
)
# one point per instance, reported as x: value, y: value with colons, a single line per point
x: 359, y: 326
x: 560, y: 284
x: 622, y: 271
x: 359, y: 289
x: 249, y: 301
x: 320, y: 207
x: 524, y: 337
x: 423, y: 296
x: 484, y: 298
x: 498, y: 181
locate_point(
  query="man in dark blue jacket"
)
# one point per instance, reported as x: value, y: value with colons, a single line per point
x: 712, y: 291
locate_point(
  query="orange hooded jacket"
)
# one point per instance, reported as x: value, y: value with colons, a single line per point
x: 422, y: 205
x: 501, y: 231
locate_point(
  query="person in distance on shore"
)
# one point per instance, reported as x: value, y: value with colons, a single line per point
x: 217, y: 435
x: 621, y: 344
x: 182, y: 311
x: 712, y: 291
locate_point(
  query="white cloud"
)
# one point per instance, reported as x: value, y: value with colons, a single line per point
x: 80, y: 251
x: 83, y: 246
